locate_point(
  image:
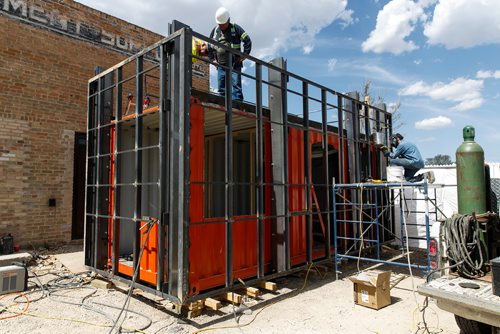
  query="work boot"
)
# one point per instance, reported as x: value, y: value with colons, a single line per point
x: 416, y: 178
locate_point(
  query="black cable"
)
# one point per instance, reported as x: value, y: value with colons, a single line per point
x: 426, y: 303
x: 428, y: 276
x: 136, y: 271
x: 149, y: 320
x: 461, y: 234
x: 41, y: 287
x: 236, y: 318
x: 70, y: 282
x: 425, y: 329
x: 62, y: 283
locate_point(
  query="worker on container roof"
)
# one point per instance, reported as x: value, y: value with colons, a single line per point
x: 407, y: 156
x: 232, y: 36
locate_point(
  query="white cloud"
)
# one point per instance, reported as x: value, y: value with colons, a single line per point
x: 417, y: 61
x: 453, y: 23
x: 468, y: 104
x: 272, y: 25
x: 331, y: 64
x: 465, y: 92
x: 395, y: 23
x: 433, y: 123
x: 307, y: 49
x: 488, y: 74
x: 381, y: 74
x: 464, y: 23
x: 375, y: 71
x: 393, y: 107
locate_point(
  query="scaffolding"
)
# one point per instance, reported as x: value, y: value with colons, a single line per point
x: 365, y: 218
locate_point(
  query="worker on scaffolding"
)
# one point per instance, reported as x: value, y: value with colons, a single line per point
x: 407, y: 156
x: 230, y: 35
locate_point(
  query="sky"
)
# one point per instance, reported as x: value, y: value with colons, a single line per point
x: 438, y: 59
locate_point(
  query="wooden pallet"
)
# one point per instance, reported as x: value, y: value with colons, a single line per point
x: 195, y: 309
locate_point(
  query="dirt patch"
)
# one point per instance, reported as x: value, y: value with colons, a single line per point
x: 59, y: 301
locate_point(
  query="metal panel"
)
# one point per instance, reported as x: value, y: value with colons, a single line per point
x: 175, y: 176
x: 495, y: 195
x: 179, y: 90
x: 278, y: 131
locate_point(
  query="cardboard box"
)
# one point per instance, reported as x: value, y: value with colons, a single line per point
x: 372, y: 288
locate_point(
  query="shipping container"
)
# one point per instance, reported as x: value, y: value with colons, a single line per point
x: 191, y: 194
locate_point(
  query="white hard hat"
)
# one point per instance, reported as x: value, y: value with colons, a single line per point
x: 221, y: 15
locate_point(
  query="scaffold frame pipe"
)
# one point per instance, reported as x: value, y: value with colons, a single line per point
x: 377, y: 222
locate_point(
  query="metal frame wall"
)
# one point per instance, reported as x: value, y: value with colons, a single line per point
x: 173, y: 59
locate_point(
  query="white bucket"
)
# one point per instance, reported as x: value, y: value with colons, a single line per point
x: 395, y: 174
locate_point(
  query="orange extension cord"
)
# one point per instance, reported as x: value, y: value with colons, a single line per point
x: 20, y: 313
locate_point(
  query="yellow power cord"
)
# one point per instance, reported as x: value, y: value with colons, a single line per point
x: 47, y: 317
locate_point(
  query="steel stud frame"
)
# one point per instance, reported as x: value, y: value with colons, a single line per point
x: 173, y: 61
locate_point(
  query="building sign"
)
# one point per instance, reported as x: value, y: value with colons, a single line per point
x: 29, y: 12
x: 52, y: 19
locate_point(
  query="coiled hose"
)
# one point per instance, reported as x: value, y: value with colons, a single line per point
x: 461, y: 234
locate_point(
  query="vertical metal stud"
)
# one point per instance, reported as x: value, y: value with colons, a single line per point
x: 138, y: 159
x: 357, y: 144
x: 185, y: 78
x: 117, y: 166
x: 279, y: 150
x: 163, y: 175
x: 324, y: 118
x: 228, y: 181
x: 175, y: 174
x: 97, y: 229
x: 366, y: 109
x: 341, y: 139
x: 307, y: 171
x: 284, y: 103
x: 259, y: 171
x: 179, y: 93
x: 335, y: 228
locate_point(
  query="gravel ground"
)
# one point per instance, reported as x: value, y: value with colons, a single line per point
x: 319, y: 305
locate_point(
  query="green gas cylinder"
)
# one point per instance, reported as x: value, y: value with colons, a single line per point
x: 470, y: 175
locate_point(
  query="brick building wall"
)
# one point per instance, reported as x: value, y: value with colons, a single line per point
x: 48, y: 51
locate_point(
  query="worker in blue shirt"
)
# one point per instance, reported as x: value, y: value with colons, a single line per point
x: 232, y: 36
x: 407, y: 156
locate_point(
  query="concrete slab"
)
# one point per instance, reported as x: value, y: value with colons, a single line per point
x: 6, y: 260
x: 73, y: 261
